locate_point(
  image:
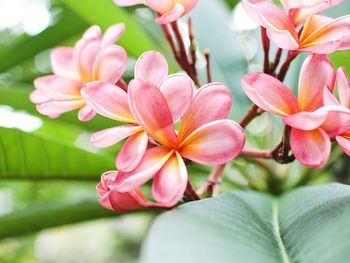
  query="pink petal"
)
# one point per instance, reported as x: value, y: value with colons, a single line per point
x: 330, y: 37
x: 56, y: 108
x: 58, y: 88
x: 107, y: 100
x: 172, y: 15
x: 111, y: 136
x: 338, y: 120
x: 128, y: 2
x: 270, y: 94
x: 282, y: 38
x: 216, y: 142
x: 151, y: 67
x: 316, y: 73
x: 86, y: 51
x: 86, y: 113
x: 110, y: 64
x: 311, y: 148
x: 269, y: 16
x: 300, y: 9
x: 151, y: 111
x: 170, y: 182
x: 160, y: 6
x: 112, y: 199
x: 306, y: 121
x: 177, y: 90
x: 344, y: 142
x: 38, y: 97
x: 62, y: 62
x: 343, y: 87
x: 329, y: 98
x: 132, y: 152
x: 93, y: 32
x: 211, y: 102
x: 151, y: 163
x: 112, y: 34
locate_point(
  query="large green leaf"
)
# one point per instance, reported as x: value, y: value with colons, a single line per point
x: 38, y: 217
x: 311, y: 224
x: 52, y: 149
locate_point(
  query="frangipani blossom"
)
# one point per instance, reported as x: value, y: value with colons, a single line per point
x: 309, y: 119
x: 343, y: 87
x: 298, y: 10
x: 169, y: 10
x: 205, y: 136
x: 112, y: 199
x: 320, y: 34
x: 112, y: 102
x: 93, y: 58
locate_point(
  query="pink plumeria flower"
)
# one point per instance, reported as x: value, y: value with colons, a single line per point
x: 309, y: 119
x: 205, y: 136
x: 169, y: 10
x: 112, y: 102
x: 93, y: 58
x: 343, y: 87
x: 112, y: 199
x: 298, y: 10
x: 320, y: 34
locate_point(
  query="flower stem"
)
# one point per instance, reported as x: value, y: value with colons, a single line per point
x: 253, y: 112
x: 257, y: 154
x: 266, y: 46
x: 284, y: 68
x: 211, y: 186
x: 207, y: 58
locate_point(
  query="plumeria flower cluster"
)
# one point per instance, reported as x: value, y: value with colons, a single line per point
x: 86, y: 78
x: 167, y: 122
x: 313, y: 123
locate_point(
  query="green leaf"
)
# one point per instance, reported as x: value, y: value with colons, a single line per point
x: 53, y: 149
x: 310, y: 224
x: 105, y: 13
x: 39, y: 217
x: 67, y: 26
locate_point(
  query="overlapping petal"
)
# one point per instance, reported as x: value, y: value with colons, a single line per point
x: 307, y: 120
x: 63, y: 63
x: 170, y: 182
x: 151, y: 67
x: 211, y: 102
x: 343, y: 87
x: 151, y: 111
x: 112, y: 34
x: 171, y: 16
x: 338, y: 120
x: 132, y: 152
x: 216, y: 142
x: 151, y: 163
x: 317, y: 72
x: 108, y: 100
x: 111, y: 136
x: 110, y: 64
x: 56, y: 108
x: 270, y: 94
x: 344, y: 142
x: 311, y: 148
x: 177, y: 90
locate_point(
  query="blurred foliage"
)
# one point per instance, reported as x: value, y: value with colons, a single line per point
x: 48, y: 173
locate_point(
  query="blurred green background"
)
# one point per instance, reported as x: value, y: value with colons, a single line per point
x: 48, y: 168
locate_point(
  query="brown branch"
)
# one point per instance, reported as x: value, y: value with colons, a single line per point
x: 266, y: 47
x: 253, y: 112
x: 281, y: 153
x: 284, y: 68
x: 208, y: 67
x: 277, y: 60
x: 122, y: 84
x: 257, y: 154
x: 190, y: 193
